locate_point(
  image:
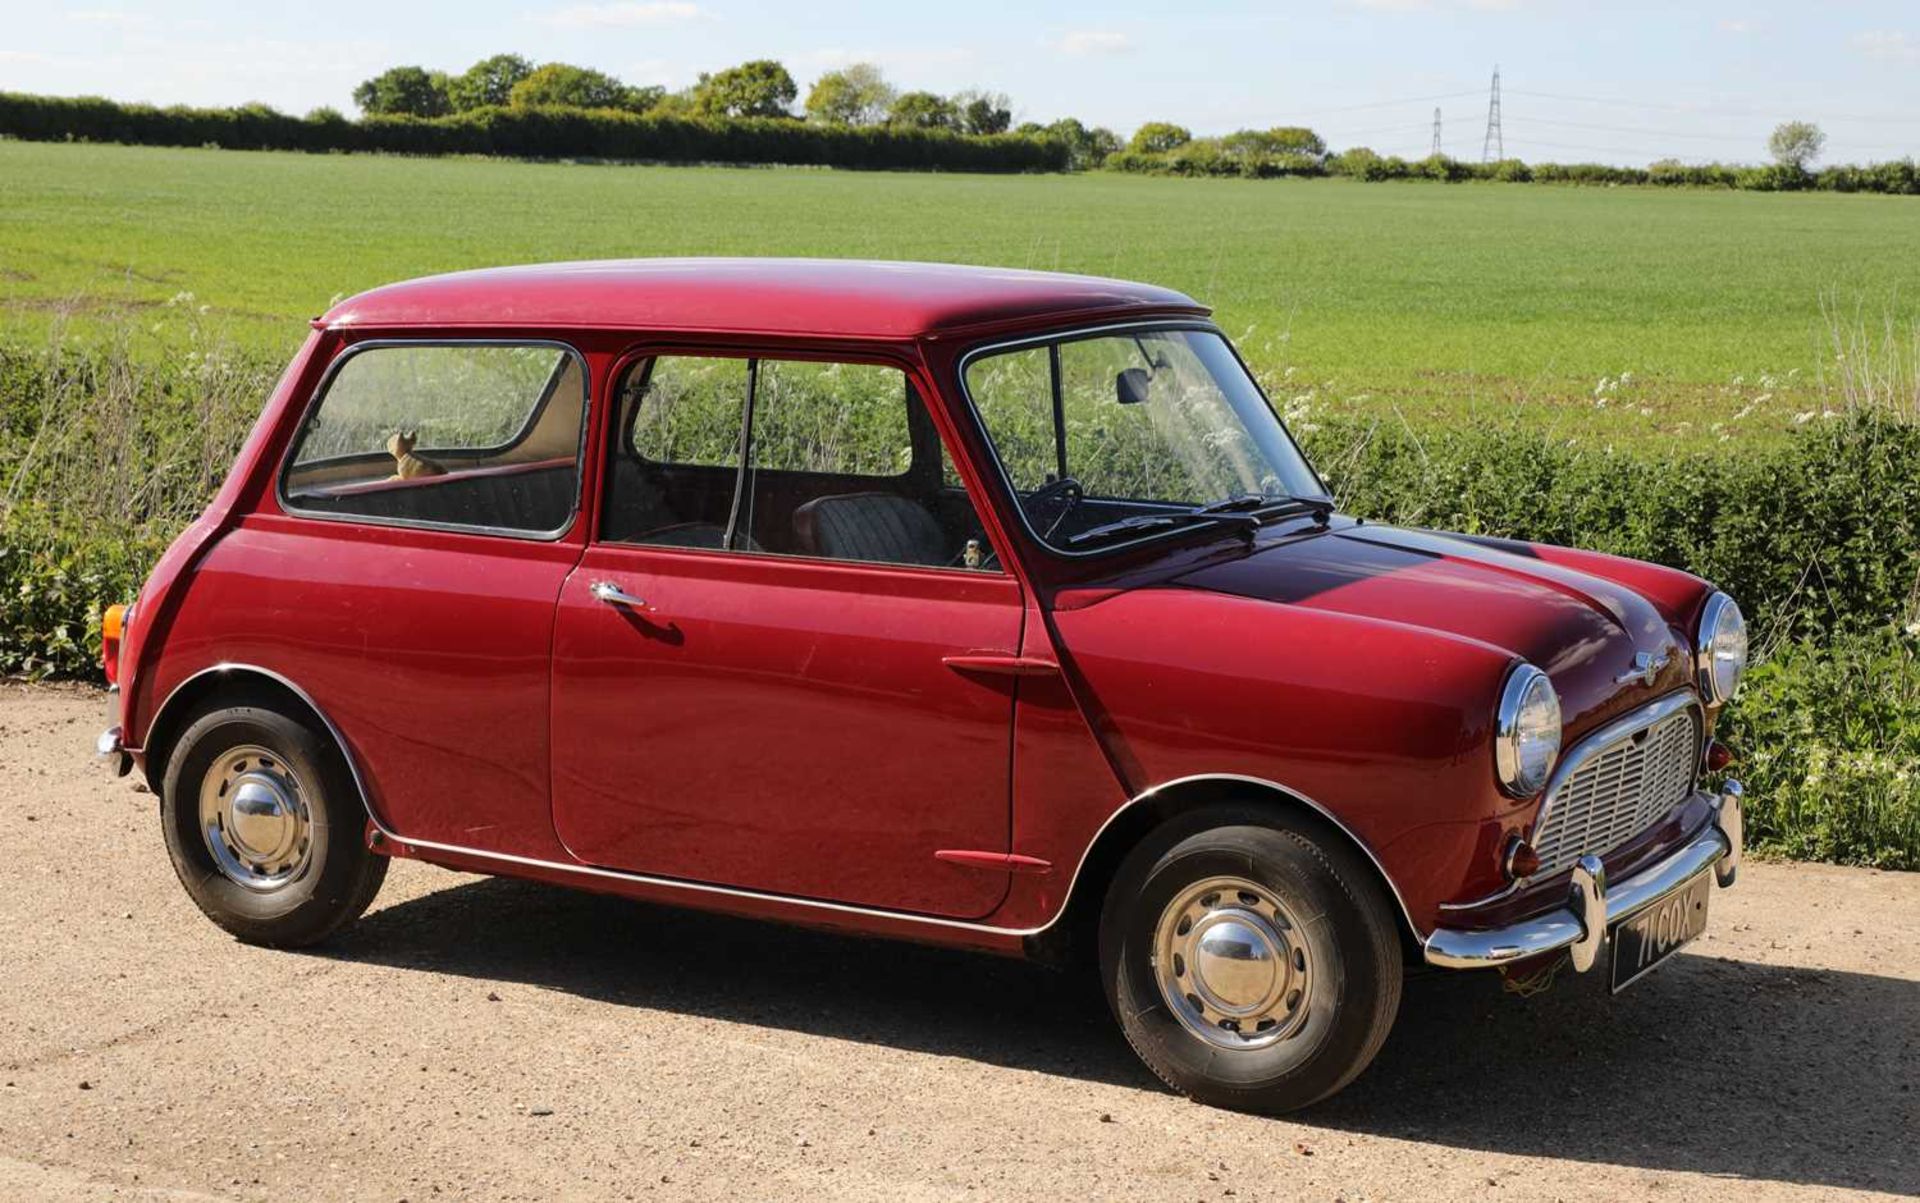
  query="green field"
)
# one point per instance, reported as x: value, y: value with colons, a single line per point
x: 1430, y: 301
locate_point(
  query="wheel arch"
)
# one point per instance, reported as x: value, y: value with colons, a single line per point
x: 1074, y: 935
x: 249, y: 680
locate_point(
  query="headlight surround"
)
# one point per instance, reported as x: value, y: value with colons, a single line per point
x: 1526, y: 734
x: 1720, y: 650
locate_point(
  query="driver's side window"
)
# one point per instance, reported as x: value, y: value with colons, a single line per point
x: 811, y: 458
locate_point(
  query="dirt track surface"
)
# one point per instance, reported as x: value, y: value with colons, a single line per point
x: 483, y: 1039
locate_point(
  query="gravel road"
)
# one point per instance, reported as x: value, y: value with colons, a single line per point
x: 483, y: 1039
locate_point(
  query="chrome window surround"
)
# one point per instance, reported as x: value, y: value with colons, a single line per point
x: 339, y: 361
x: 1073, y: 334
x: 584, y: 870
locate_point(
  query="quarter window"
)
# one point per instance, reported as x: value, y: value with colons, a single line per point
x: 466, y: 435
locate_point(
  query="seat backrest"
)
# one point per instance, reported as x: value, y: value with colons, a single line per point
x: 882, y: 528
x: 634, y: 502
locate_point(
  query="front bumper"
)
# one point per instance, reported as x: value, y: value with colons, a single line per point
x: 1594, y: 905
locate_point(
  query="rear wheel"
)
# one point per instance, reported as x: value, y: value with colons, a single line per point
x: 264, y: 825
x: 1252, y: 963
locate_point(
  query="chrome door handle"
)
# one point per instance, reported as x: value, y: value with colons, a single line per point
x: 614, y: 595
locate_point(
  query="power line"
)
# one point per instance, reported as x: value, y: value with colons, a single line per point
x: 1631, y: 129
x: 1382, y: 104
x: 1727, y: 111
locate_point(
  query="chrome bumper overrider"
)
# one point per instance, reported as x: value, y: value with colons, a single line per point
x: 109, y: 745
x: 1594, y: 904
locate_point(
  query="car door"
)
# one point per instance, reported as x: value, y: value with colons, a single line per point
x: 759, y: 663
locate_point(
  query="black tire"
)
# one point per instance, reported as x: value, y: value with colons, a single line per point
x: 1346, y: 932
x: 337, y: 878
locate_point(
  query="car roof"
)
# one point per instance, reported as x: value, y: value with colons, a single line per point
x: 826, y: 297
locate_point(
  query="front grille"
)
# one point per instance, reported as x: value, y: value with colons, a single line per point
x: 1616, y: 791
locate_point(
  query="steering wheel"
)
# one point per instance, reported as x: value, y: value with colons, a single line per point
x: 1065, y: 492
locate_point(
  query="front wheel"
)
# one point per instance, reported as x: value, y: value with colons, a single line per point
x: 1252, y: 964
x: 264, y: 826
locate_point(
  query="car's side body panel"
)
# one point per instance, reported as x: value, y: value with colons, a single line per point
x: 790, y: 726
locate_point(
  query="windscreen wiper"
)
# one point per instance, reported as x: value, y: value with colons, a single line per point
x: 1269, y: 506
x: 1175, y: 518
x: 1248, y: 511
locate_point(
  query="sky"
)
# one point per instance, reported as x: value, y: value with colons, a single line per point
x: 1582, y: 80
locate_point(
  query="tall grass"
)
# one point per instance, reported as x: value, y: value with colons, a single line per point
x: 1872, y: 366
x: 106, y: 452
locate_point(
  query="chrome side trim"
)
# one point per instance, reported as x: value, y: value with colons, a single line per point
x: 905, y: 916
x: 840, y: 908
x: 1594, y: 904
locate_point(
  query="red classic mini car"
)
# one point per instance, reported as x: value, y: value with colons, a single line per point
x: 977, y: 607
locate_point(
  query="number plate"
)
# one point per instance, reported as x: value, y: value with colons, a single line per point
x: 1653, y: 935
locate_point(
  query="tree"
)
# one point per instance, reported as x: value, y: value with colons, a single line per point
x: 563, y: 85
x: 983, y: 112
x: 1796, y: 143
x: 1085, y: 147
x: 1272, y: 143
x: 488, y: 82
x: 404, y: 91
x: 1157, y: 136
x: 923, y: 110
x: 855, y: 95
x: 761, y: 88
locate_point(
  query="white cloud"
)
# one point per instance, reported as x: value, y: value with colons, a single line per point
x: 1887, y: 45
x: 1732, y: 25
x: 624, y: 14
x: 1095, y: 41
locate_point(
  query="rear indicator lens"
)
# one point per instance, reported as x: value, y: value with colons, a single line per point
x: 113, y: 624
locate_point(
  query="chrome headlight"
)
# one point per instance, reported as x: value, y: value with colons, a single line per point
x: 1526, y: 733
x: 1720, y: 650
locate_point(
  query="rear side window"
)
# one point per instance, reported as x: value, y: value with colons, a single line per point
x: 475, y: 435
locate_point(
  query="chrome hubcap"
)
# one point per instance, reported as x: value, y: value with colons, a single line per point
x: 254, y: 819
x: 1232, y: 963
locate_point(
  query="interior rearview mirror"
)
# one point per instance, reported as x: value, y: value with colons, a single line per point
x: 1130, y: 386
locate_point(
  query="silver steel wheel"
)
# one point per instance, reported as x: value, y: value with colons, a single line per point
x: 1232, y: 963
x: 255, y: 819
